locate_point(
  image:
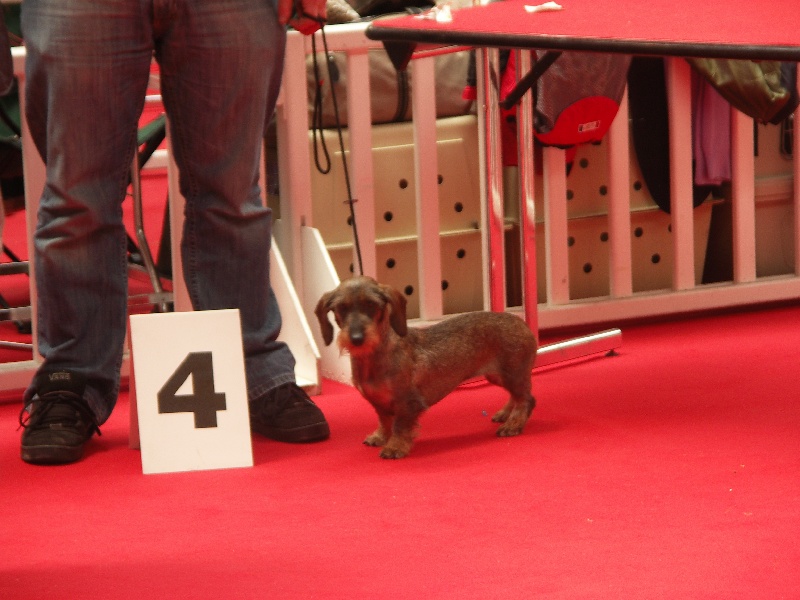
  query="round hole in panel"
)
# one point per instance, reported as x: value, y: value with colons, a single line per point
x: 390, y: 263
x: 570, y: 194
x: 570, y: 241
x: 403, y: 183
x: 440, y: 179
x: 604, y: 236
x: 461, y: 253
x: 637, y: 185
x: 349, y: 221
x: 603, y: 190
x: 638, y: 232
x: 458, y: 207
x: 584, y: 163
x: 587, y: 268
x: 388, y: 216
x: 408, y: 290
x: 445, y: 284
x: 656, y: 258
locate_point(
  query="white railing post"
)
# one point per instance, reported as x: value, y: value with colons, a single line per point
x: 294, y: 176
x: 556, y: 230
x: 743, y: 197
x: 426, y: 169
x: 680, y: 157
x: 359, y: 124
x: 619, y: 204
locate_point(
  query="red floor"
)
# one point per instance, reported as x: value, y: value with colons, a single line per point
x: 669, y: 471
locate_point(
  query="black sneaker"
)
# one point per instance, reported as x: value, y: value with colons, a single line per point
x: 58, y: 422
x: 287, y: 414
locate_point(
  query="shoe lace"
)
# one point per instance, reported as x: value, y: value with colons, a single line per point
x: 43, y: 414
x: 278, y: 400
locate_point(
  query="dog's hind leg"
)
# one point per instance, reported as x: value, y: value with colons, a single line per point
x: 501, y: 416
x: 516, y: 417
x: 517, y: 410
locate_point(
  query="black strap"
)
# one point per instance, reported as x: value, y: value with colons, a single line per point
x: 529, y: 80
x: 350, y: 200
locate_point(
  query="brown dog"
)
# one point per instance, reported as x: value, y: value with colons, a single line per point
x: 403, y: 371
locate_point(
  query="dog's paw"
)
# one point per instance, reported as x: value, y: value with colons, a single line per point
x: 393, y: 453
x: 375, y: 439
x: 396, y: 447
x: 501, y: 416
x: 507, y: 430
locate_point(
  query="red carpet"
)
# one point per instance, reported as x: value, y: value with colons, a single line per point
x: 670, y: 471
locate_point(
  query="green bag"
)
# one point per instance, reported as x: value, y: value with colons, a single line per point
x: 763, y: 90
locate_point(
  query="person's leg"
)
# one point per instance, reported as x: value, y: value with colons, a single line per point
x: 221, y: 66
x: 87, y: 69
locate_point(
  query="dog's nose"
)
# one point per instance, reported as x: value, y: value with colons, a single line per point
x: 357, y: 338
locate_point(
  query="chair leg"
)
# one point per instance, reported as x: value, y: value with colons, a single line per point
x: 19, y: 315
x: 138, y: 223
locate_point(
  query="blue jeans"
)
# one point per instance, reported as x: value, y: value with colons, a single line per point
x: 87, y: 69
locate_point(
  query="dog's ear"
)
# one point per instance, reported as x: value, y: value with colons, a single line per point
x: 397, y: 312
x: 323, y: 307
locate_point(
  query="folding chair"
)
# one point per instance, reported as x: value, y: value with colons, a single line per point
x: 149, y: 138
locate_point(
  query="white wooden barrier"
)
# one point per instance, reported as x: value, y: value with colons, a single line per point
x: 558, y: 310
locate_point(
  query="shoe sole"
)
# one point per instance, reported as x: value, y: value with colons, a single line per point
x: 51, y: 455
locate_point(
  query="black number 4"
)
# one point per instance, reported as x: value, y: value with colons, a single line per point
x: 204, y: 402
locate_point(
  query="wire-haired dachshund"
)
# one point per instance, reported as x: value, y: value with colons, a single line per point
x: 403, y: 371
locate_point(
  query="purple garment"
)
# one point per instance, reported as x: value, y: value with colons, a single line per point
x: 711, y: 133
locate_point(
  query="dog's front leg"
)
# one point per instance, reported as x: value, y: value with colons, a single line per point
x: 404, y: 430
x: 382, y: 433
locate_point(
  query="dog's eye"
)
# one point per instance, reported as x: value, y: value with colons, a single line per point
x: 371, y: 308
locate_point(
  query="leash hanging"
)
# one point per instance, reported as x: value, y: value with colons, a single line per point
x: 316, y: 118
x: 316, y: 128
